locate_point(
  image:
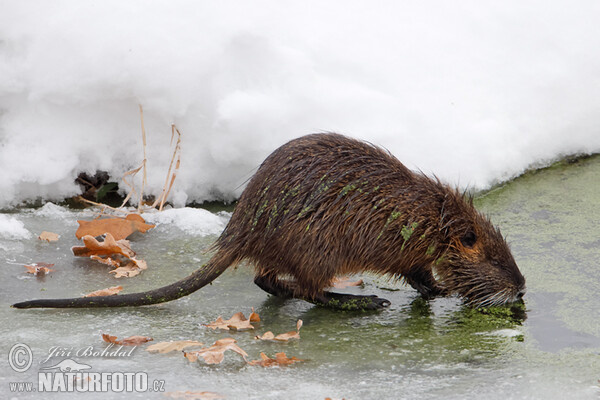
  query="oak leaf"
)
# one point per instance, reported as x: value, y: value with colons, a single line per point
x: 108, y: 247
x: 105, y: 292
x: 116, y: 253
x: 166, y: 347
x: 237, y: 322
x: 215, y: 353
x: 48, y: 236
x: 39, y: 269
x: 282, y: 337
x: 188, y: 395
x: 107, y: 261
x: 119, y: 228
x: 130, y: 269
x: 280, y: 359
x: 130, y: 341
x: 254, y: 317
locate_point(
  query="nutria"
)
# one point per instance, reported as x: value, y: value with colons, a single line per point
x: 325, y: 205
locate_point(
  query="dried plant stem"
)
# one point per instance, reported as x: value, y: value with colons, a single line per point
x: 132, y: 172
x: 170, y: 179
x: 104, y: 206
x: 144, y: 180
x: 160, y: 200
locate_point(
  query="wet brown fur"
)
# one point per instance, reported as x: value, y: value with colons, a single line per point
x: 325, y: 205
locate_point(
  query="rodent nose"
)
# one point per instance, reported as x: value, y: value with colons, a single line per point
x: 521, y: 294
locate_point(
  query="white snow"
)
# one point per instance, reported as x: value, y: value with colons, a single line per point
x: 12, y: 228
x: 472, y: 91
x: 193, y: 221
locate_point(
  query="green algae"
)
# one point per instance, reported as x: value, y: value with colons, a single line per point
x: 553, y: 225
x: 394, y: 215
x: 259, y: 212
x: 430, y: 249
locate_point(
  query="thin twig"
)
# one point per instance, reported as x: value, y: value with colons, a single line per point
x: 167, y: 187
x: 101, y: 205
x: 131, y: 185
x: 143, y: 162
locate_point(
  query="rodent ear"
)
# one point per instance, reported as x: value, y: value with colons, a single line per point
x: 469, y: 239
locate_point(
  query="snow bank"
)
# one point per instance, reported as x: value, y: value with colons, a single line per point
x: 473, y: 91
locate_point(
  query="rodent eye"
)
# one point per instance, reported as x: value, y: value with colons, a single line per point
x: 469, y: 239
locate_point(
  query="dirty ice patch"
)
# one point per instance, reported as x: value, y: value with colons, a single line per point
x: 194, y: 221
x: 12, y: 228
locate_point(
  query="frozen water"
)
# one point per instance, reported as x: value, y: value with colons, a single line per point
x: 474, y: 92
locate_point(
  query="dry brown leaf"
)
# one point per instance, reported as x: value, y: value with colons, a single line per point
x: 105, y: 292
x: 166, y: 347
x: 107, y: 261
x: 237, y: 322
x: 187, y: 395
x: 280, y: 359
x: 106, y: 248
x: 254, y: 317
x: 130, y: 269
x: 119, y: 228
x: 344, y: 282
x: 283, y: 337
x: 39, y: 269
x: 215, y: 353
x: 49, y: 236
x: 130, y: 341
x: 116, y: 253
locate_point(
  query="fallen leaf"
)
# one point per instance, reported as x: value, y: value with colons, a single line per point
x: 344, y: 282
x: 282, y: 337
x: 105, y: 292
x: 116, y: 253
x: 130, y: 269
x: 254, y: 317
x: 266, y: 336
x: 215, y: 353
x: 108, y: 247
x: 39, y: 269
x: 107, y: 261
x: 280, y: 359
x: 166, y: 347
x: 130, y: 341
x: 119, y: 228
x: 49, y: 236
x: 187, y: 395
x: 237, y: 322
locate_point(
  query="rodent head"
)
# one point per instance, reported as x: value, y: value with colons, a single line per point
x: 478, y: 264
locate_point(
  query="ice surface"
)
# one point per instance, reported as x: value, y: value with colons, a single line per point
x: 473, y: 91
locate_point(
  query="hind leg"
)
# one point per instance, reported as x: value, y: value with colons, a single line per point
x: 340, y: 301
x: 274, y: 286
